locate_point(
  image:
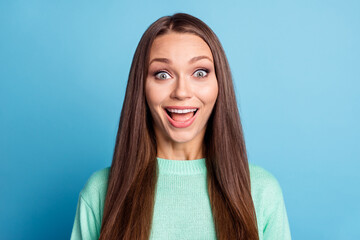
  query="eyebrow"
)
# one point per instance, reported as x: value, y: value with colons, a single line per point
x: 194, y: 59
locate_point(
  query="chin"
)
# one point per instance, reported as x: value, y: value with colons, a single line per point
x: 181, y: 137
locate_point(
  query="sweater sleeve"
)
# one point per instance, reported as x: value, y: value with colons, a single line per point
x: 276, y: 225
x: 90, y: 207
x: 85, y: 225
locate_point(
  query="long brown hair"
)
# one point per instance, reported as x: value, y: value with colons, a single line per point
x: 130, y: 195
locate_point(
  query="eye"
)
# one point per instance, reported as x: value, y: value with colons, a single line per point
x: 162, y: 75
x: 201, y: 73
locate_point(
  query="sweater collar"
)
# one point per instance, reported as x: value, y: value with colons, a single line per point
x: 181, y: 167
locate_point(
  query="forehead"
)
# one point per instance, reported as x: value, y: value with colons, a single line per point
x: 179, y: 46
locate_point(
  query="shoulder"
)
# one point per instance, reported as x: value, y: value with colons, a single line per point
x: 90, y: 206
x: 96, y: 185
x: 261, y: 179
x: 269, y: 204
x: 265, y: 188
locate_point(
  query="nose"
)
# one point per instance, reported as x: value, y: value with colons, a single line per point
x: 182, y: 89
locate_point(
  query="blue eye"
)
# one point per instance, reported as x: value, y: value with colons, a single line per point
x: 162, y: 75
x: 201, y: 73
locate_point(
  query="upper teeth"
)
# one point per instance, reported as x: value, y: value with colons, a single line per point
x: 181, y: 110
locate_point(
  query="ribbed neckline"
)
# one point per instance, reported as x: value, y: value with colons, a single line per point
x: 181, y: 167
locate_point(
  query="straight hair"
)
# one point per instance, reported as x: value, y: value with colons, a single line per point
x: 129, y: 203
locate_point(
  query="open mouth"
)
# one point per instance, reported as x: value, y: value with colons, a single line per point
x: 181, y: 115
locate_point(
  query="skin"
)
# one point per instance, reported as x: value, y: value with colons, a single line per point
x: 174, y: 80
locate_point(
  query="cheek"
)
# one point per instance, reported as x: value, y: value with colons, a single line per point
x: 209, y: 93
x: 154, y: 95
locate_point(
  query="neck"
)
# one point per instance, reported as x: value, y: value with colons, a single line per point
x: 180, y: 146
x: 179, y: 154
x: 191, y: 150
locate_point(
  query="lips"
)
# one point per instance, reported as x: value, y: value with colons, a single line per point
x: 182, y: 113
x: 181, y: 116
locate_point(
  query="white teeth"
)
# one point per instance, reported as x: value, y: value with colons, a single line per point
x: 181, y: 110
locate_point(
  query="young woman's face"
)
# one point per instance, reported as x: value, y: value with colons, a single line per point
x: 181, y: 86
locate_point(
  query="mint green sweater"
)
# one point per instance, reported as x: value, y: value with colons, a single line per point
x: 182, y: 207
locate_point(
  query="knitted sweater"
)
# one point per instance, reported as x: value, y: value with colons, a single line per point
x: 182, y: 206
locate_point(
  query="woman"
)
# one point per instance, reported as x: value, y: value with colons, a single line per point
x: 179, y: 168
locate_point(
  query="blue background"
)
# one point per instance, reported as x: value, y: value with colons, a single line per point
x: 63, y: 72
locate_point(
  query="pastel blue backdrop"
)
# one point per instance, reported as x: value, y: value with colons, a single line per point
x: 63, y: 72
